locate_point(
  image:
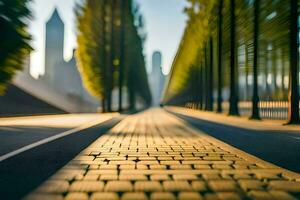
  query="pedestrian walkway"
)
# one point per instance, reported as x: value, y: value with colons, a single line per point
x: 154, y: 155
x: 237, y: 121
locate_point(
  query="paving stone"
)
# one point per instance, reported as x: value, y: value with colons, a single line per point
x: 132, y: 178
x: 211, y: 176
x: 108, y: 166
x: 189, y: 196
x: 118, y: 186
x: 148, y: 162
x: 184, y: 177
x: 157, y: 166
x: 180, y: 167
x: 77, y: 196
x: 285, y: 186
x: 229, y: 196
x: 87, y: 186
x: 266, y: 175
x: 91, y: 177
x: 199, y: 186
x: 280, y: 195
x: 251, y: 185
x: 223, y: 185
x: 260, y: 195
x: 159, y: 177
x: 239, y: 176
x: 202, y: 167
x: 148, y: 186
x: 139, y: 166
x: 134, y: 196
x: 104, y: 196
x: 211, y: 196
x: 169, y: 162
x: 221, y: 167
x: 176, y: 186
x: 162, y: 196
x: 108, y: 177
x: 103, y: 172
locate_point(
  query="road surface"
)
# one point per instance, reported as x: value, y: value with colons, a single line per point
x: 33, y: 148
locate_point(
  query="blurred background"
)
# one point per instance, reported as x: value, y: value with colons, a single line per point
x: 236, y: 57
x: 49, y: 79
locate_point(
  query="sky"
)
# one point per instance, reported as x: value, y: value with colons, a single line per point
x: 165, y: 23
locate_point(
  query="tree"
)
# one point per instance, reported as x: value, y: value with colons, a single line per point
x: 92, y: 49
x: 14, y: 38
x: 110, y: 51
x: 233, y: 100
x: 136, y: 75
x: 220, y: 47
x: 123, y: 6
x: 294, y: 64
x: 255, y: 98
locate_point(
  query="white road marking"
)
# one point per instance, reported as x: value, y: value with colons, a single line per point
x: 52, y: 138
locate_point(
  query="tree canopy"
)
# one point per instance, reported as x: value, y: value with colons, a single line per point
x: 202, y: 25
x: 14, y: 38
x: 100, y: 29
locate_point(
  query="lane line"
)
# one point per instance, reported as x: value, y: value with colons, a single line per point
x: 297, y: 138
x: 52, y: 138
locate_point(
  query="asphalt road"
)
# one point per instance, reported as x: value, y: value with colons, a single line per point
x: 23, y: 172
x: 279, y: 148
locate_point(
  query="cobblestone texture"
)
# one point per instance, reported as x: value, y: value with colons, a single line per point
x: 153, y: 155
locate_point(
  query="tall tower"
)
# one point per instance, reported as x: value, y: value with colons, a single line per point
x: 157, y: 78
x: 54, y: 46
x: 156, y: 63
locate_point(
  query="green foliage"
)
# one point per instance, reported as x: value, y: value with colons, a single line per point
x: 91, y: 46
x: 136, y: 75
x: 98, y: 54
x: 14, y: 38
x: 202, y: 25
x: 202, y: 16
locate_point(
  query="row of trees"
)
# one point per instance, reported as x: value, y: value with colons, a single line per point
x: 235, y: 47
x: 110, y: 51
x: 14, y: 39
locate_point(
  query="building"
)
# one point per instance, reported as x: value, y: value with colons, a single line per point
x: 60, y: 74
x: 157, y: 78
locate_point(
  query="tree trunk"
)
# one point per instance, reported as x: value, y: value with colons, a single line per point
x: 112, y: 55
x: 247, y: 72
x: 205, y: 78
x: 220, y: 47
x: 123, y: 9
x: 255, y: 98
x: 210, y: 77
x: 132, y: 99
x: 104, y: 55
x: 233, y: 101
x: 293, y: 113
x: 103, y: 106
x: 201, y: 86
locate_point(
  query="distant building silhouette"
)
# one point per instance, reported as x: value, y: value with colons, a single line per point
x: 54, y: 52
x: 61, y: 75
x: 157, y: 78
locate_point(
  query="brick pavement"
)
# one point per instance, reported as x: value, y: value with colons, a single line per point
x: 154, y: 155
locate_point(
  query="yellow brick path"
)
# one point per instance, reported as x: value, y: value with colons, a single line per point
x: 154, y: 155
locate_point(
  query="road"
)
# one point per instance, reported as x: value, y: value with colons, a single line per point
x: 33, y: 148
x: 154, y: 155
x: 280, y: 147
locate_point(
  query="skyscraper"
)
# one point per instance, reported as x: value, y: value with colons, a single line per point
x: 54, y: 53
x: 157, y: 78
